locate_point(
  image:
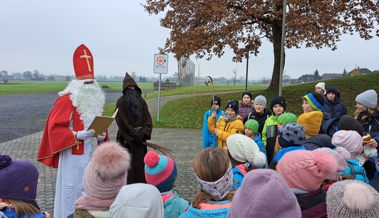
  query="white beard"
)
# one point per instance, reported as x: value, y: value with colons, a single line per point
x: 89, y: 99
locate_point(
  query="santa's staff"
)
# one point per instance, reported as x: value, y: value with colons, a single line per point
x: 208, y: 82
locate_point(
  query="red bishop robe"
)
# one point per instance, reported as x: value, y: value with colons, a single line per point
x: 57, y: 135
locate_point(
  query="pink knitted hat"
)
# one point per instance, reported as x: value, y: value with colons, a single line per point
x: 160, y: 170
x: 306, y: 170
x: 349, y: 139
x: 104, y: 176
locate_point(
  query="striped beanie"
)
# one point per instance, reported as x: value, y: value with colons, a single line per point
x: 316, y: 100
x: 160, y: 170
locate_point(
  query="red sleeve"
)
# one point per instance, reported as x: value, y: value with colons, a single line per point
x: 57, y: 135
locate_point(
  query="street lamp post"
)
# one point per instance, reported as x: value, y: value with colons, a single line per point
x: 282, y: 46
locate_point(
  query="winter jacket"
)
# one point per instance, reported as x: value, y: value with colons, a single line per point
x: 239, y: 172
x: 225, y: 129
x: 269, y: 133
x: 360, y: 173
x: 173, y: 204
x: 371, y: 124
x: 312, y: 204
x: 335, y: 109
x: 260, y: 117
x: 209, y: 138
x: 259, y: 142
x: 319, y: 141
x: 244, y: 110
x: 211, y: 209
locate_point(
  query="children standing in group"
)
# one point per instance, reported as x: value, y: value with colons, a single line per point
x: 245, y: 156
x: 18, y: 189
x: 251, y: 131
x: 245, y: 106
x: 270, y: 129
x: 214, y: 177
x: 161, y: 171
x: 260, y: 113
x: 208, y: 137
x: 228, y: 124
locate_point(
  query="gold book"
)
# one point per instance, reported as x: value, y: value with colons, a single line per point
x: 101, y: 123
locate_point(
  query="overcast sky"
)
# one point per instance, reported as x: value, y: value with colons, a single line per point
x: 42, y: 35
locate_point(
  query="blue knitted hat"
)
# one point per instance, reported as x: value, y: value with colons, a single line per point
x: 160, y: 170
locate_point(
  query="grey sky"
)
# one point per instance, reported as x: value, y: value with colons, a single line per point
x: 42, y: 35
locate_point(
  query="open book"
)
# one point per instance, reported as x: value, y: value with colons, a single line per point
x: 101, y: 123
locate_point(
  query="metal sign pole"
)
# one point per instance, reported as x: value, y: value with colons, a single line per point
x: 159, y: 96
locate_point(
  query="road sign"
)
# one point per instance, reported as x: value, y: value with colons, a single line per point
x: 160, y: 63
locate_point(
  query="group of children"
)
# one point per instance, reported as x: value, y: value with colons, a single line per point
x: 264, y: 162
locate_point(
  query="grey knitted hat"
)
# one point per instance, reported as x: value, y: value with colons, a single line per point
x: 352, y: 198
x: 260, y: 99
x: 368, y: 98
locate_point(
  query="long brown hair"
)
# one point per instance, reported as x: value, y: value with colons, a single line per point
x: 23, y: 208
x: 210, y: 165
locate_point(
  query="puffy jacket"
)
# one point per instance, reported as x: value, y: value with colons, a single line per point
x: 209, y: 138
x: 225, y: 129
x: 335, y: 109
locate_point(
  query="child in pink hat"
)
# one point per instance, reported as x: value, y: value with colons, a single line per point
x: 304, y: 172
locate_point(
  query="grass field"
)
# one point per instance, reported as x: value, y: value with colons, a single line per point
x: 188, y: 112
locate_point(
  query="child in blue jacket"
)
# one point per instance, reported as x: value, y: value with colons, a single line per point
x: 209, y: 138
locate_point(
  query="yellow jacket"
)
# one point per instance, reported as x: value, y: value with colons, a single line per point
x: 225, y: 129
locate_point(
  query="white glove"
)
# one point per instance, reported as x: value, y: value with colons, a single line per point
x: 85, y: 134
x: 101, y: 137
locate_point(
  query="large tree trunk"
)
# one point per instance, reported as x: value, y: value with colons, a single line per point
x: 276, y: 41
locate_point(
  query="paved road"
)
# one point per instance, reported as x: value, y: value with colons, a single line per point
x: 25, y: 114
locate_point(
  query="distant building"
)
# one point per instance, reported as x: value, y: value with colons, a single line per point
x: 306, y: 78
x: 359, y: 71
x: 186, y: 72
x: 326, y: 76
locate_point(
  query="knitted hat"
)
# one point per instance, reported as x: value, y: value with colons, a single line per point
x: 260, y: 190
x: 233, y: 104
x: 160, y: 171
x: 352, y: 198
x: 247, y: 93
x: 252, y: 124
x: 291, y: 134
x: 368, y: 98
x: 137, y: 200
x: 311, y: 121
x: 306, y: 170
x: 260, y: 99
x: 349, y: 139
x: 244, y: 149
x: 104, y: 175
x: 316, y: 100
x: 278, y: 100
x: 321, y: 85
x: 18, y: 180
x: 342, y: 156
x: 217, y: 101
x: 348, y: 122
x: 286, y: 118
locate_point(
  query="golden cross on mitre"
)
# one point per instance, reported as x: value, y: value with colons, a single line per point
x: 87, y: 57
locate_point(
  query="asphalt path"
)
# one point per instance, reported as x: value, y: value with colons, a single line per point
x: 25, y: 114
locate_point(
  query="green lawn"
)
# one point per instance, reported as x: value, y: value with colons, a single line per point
x: 188, y: 112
